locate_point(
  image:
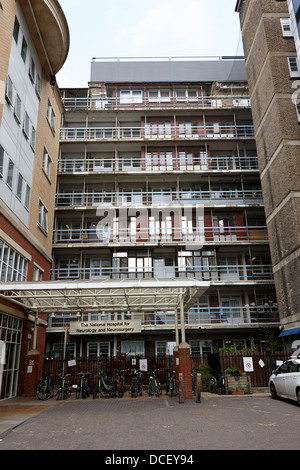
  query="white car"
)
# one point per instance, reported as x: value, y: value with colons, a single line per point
x: 285, y: 380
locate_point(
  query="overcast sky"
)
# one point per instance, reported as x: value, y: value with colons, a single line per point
x: 146, y: 28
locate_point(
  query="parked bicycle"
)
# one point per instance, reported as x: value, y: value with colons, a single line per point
x: 154, y: 386
x: 217, y: 384
x: 137, y: 384
x: 85, y: 385
x: 171, y: 386
x: 103, y: 385
x: 64, y: 390
x: 119, y: 384
x: 45, y: 388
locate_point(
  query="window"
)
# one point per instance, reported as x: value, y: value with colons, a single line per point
x: 33, y: 138
x: 51, y: 116
x: 13, y: 266
x: 47, y: 163
x: 1, y: 161
x: 24, y: 50
x: 16, y: 30
x: 32, y: 70
x: 298, y: 110
x: 132, y: 348
x: 43, y: 217
x: 68, y: 268
x: 293, y: 66
x: 38, y: 86
x: 98, y: 349
x: 26, y: 125
x: 9, y: 93
x: 10, y: 173
x: 20, y: 187
x: 17, y: 109
x: 27, y: 197
x: 37, y: 274
x: 286, y: 27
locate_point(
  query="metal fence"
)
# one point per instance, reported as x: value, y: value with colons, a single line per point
x: 263, y: 364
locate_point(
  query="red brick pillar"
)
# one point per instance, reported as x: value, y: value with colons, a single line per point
x: 32, y: 373
x: 185, y: 369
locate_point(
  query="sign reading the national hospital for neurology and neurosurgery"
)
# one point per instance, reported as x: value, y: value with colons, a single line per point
x: 105, y: 327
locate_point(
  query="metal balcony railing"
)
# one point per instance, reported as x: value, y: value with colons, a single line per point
x: 159, y: 101
x: 135, y: 164
x: 160, y: 233
x: 232, y: 273
x: 139, y: 197
x: 194, y: 317
x: 156, y: 132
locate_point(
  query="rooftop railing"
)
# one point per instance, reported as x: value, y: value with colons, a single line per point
x: 150, y: 102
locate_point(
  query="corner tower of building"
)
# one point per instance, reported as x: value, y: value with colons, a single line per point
x: 270, y: 32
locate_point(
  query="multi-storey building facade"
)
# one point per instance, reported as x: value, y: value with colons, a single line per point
x: 158, y: 180
x: 270, y: 31
x: 34, y: 46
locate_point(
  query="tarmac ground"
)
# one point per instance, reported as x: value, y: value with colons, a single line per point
x: 249, y: 422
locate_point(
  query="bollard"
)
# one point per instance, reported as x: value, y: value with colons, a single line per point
x: 180, y: 380
x: 198, y: 388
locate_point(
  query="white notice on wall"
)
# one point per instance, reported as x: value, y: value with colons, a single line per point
x: 248, y: 364
x: 143, y: 365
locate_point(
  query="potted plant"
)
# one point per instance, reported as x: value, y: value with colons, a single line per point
x: 236, y: 381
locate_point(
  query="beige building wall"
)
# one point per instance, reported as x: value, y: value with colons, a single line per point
x: 278, y: 142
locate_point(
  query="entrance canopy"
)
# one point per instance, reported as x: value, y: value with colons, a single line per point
x: 108, y: 296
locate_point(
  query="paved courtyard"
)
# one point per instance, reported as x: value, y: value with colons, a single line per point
x: 217, y: 423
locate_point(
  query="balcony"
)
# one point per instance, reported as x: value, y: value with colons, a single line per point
x: 69, y: 199
x: 119, y: 133
x: 159, y: 101
x: 236, y: 273
x: 194, y: 318
x: 160, y: 233
x: 151, y: 164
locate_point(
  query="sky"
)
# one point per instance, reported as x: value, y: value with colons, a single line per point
x: 146, y: 28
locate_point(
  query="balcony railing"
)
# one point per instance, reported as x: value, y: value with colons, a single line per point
x: 169, y: 102
x: 160, y: 234
x: 194, y: 317
x: 232, y: 273
x: 136, y: 198
x: 131, y: 164
x: 155, y: 133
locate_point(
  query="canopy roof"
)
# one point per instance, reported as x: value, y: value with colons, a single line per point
x: 88, y: 296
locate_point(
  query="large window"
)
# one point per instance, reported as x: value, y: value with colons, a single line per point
x: 101, y: 349
x: 133, y: 348
x: 13, y: 266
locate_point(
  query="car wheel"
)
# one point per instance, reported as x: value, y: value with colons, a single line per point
x: 273, y: 391
x: 298, y: 395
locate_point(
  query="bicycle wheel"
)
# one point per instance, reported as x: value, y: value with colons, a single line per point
x: 78, y: 391
x: 212, y: 386
x: 41, y: 392
x: 158, y: 389
x: 150, y: 388
x: 134, y: 391
x: 58, y: 395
